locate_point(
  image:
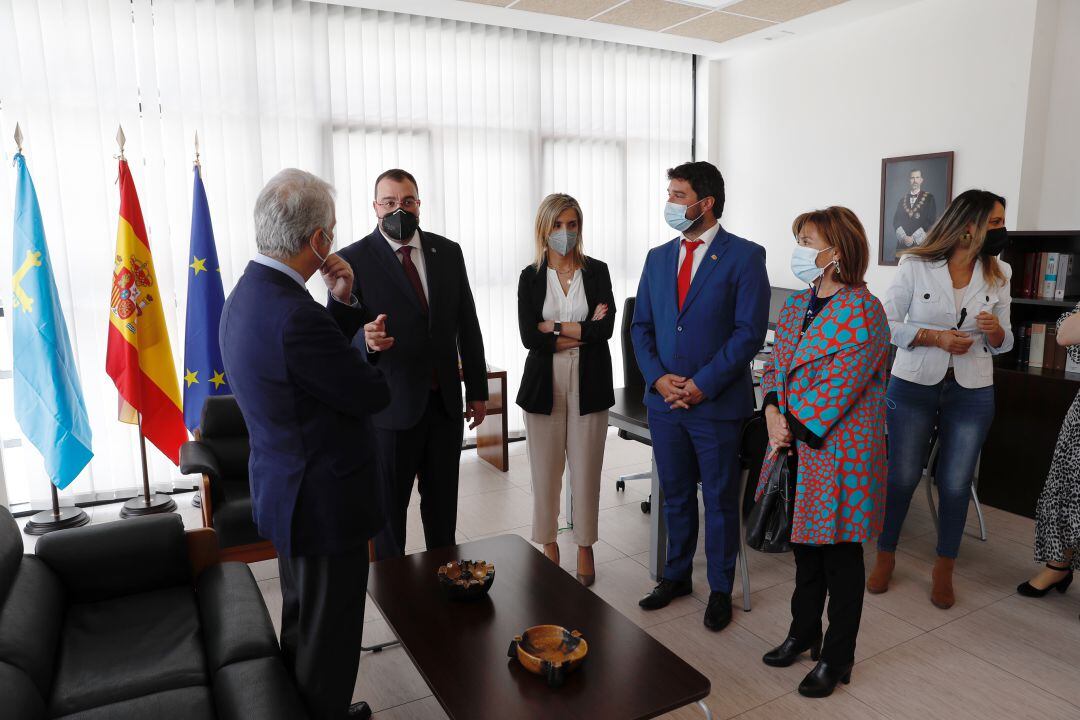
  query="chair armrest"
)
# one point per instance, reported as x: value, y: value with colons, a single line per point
x: 203, y: 550
x: 101, y: 562
x: 197, y: 459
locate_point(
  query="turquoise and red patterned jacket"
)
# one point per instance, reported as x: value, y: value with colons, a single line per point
x: 833, y: 382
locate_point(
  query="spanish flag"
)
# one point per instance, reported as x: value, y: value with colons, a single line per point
x: 139, y: 358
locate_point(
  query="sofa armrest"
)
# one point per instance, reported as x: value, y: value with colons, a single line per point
x: 203, y: 550
x: 235, y: 622
x: 100, y: 562
x: 259, y: 688
x: 197, y: 459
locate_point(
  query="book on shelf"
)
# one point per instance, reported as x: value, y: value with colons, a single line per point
x: 1050, y: 276
x: 1040, y: 275
x: 1052, y: 354
x: 1065, y: 261
x: 1031, y: 264
x: 1023, y: 344
x: 1037, y: 346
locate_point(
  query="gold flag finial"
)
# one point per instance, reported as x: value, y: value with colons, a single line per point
x: 18, y: 137
x: 197, y: 163
x: 121, y: 139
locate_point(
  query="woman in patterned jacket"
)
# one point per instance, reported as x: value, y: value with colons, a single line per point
x: 1057, y: 524
x: 825, y: 404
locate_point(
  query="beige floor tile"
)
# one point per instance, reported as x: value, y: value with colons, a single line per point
x: 999, y: 562
x: 765, y: 571
x: 493, y: 512
x: 387, y: 679
x: 426, y: 709
x: 908, y: 597
x: 840, y: 705
x: 264, y: 569
x: 731, y: 659
x: 930, y: 678
x: 623, y: 582
x: 1017, y: 528
x: 1032, y: 639
x: 625, y: 528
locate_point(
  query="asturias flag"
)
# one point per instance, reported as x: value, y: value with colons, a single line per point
x: 204, y: 373
x: 139, y: 358
x: 48, y: 396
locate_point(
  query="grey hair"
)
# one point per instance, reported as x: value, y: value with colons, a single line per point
x: 290, y: 208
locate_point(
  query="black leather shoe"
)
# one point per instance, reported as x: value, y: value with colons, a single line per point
x: 823, y: 679
x: 1028, y: 590
x: 718, y: 611
x: 789, y: 651
x: 664, y: 592
x: 359, y: 710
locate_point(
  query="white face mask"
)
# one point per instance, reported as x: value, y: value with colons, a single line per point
x: 804, y: 263
x: 318, y: 255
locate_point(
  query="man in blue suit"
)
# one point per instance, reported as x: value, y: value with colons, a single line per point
x: 700, y: 317
x: 307, y: 397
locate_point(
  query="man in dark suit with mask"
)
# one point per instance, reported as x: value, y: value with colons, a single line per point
x: 414, y: 291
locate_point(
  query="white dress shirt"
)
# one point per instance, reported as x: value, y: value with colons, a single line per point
x: 417, y: 256
x: 699, y: 254
x: 570, y: 306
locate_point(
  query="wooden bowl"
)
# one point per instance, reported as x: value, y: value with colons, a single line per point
x: 549, y: 650
x: 467, y: 579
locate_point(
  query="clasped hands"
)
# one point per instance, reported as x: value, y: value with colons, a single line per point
x: 679, y: 392
x: 957, y: 342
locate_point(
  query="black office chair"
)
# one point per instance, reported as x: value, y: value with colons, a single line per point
x: 634, y: 383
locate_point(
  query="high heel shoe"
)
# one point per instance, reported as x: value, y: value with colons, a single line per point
x: 585, y: 557
x: 789, y: 651
x: 823, y: 679
x: 1028, y: 590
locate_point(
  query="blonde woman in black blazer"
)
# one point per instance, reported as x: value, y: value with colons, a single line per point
x: 566, y: 315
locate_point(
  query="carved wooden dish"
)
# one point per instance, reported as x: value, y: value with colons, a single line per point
x: 467, y: 579
x: 549, y: 650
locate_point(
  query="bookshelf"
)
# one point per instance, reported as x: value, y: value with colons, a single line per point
x: 1031, y: 402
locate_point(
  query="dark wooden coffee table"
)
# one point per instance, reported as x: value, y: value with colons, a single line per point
x: 460, y: 648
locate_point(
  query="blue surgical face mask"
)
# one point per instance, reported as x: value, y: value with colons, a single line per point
x: 563, y: 241
x: 804, y: 263
x: 675, y: 215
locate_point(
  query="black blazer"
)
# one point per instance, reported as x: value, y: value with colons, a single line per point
x: 422, y: 343
x: 307, y: 398
x: 594, y: 360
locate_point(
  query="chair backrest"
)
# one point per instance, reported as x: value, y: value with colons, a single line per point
x: 223, y: 430
x: 11, y: 551
x: 633, y: 380
x: 753, y: 445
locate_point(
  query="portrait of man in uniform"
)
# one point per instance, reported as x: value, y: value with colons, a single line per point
x: 914, y: 190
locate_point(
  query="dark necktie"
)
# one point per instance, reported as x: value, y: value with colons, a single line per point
x: 413, y: 275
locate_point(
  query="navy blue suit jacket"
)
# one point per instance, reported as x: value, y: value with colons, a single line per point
x: 424, y: 345
x: 307, y: 397
x: 714, y: 338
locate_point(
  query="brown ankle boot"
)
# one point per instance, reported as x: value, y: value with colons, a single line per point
x: 884, y: 564
x: 942, y: 594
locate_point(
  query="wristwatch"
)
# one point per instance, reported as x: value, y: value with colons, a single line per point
x: 558, y: 328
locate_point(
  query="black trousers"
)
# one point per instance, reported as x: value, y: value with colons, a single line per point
x: 430, y: 451
x: 322, y: 625
x: 836, y: 571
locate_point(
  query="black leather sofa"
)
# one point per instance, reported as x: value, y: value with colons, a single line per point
x: 134, y: 619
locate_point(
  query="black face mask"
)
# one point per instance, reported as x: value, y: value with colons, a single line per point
x: 400, y: 224
x: 995, y: 241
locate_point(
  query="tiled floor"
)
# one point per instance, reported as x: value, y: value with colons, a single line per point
x: 994, y: 655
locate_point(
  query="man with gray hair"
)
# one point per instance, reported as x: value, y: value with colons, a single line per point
x: 307, y: 397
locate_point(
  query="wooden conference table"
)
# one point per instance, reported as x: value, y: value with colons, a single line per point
x: 460, y: 648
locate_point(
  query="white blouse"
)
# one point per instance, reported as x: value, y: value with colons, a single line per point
x: 569, y: 307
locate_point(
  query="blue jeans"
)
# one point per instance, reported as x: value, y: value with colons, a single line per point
x: 962, y: 417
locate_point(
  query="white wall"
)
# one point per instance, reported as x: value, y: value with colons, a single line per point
x: 804, y: 124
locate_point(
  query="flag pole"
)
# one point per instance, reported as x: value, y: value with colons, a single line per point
x: 48, y: 521
x: 196, y: 499
x: 149, y: 503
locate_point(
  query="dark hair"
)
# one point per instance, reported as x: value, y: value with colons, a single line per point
x: 705, y: 179
x: 841, y: 229
x: 396, y: 174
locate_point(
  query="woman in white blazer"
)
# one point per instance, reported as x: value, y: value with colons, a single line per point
x: 948, y: 309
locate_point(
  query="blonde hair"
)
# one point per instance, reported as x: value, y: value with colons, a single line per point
x: 950, y: 233
x: 549, y: 211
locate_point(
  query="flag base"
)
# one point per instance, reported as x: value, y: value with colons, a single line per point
x: 196, y: 499
x: 139, y: 506
x: 48, y: 521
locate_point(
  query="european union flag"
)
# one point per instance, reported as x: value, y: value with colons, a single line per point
x: 204, y: 373
x: 48, y: 396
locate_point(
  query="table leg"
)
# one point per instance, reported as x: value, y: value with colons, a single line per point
x: 705, y: 709
x: 657, y: 528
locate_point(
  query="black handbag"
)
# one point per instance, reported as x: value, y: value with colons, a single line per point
x: 768, y: 529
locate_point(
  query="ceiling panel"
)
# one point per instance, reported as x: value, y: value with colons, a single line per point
x: 650, y: 14
x: 580, y: 9
x: 719, y: 27
x: 780, y: 10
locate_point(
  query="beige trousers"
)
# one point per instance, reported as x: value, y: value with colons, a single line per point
x: 561, y: 438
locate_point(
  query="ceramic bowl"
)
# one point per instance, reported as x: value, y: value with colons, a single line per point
x: 467, y: 579
x: 549, y: 650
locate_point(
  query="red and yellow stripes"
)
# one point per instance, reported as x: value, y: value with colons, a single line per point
x: 139, y: 358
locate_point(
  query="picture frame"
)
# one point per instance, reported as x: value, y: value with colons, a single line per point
x: 915, y: 189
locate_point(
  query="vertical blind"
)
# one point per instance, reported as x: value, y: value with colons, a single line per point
x: 489, y: 120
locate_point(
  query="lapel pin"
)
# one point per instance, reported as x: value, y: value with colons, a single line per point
x: 713, y: 257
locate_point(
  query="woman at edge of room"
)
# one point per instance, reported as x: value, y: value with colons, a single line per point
x: 825, y: 404
x: 948, y: 308
x: 1057, y: 519
x: 566, y: 316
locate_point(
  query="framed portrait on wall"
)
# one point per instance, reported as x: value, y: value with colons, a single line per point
x: 914, y: 192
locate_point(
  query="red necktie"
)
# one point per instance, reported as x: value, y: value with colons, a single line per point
x: 685, y: 269
x: 413, y: 275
